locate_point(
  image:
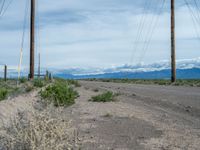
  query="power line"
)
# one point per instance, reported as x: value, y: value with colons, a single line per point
x: 38, y: 46
x: 194, y: 18
x: 153, y: 27
x: 197, y: 8
x: 6, y: 8
x: 23, y: 38
x: 140, y: 28
x: 192, y: 12
x: 2, y: 7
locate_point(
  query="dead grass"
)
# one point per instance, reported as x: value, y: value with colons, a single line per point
x: 37, y: 131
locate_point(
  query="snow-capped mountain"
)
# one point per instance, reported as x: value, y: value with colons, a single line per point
x: 191, y: 67
x: 139, y: 68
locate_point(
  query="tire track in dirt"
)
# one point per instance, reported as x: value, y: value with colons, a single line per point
x: 180, y: 130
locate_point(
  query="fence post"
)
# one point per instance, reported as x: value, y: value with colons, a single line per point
x: 5, y: 73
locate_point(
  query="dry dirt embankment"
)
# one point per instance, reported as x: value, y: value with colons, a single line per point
x: 143, y: 117
x: 10, y: 107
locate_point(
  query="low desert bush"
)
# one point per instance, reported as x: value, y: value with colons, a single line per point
x: 60, y: 94
x: 3, y: 93
x: 23, y: 80
x: 29, y: 88
x: 36, y: 131
x: 38, y: 83
x: 74, y: 82
x: 105, y: 97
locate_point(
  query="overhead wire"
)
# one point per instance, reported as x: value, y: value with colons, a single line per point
x: 38, y: 39
x: 197, y: 9
x: 194, y: 19
x: 152, y: 26
x: 140, y: 29
x: 192, y: 12
x: 6, y: 8
x: 151, y: 30
x: 2, y: 6
x: 23, y: 38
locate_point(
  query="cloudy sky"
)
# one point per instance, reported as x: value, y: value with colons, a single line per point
x: 99, y: 33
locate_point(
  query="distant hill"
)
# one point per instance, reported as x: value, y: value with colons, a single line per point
x: 186, y: 69
x: 193, y: 73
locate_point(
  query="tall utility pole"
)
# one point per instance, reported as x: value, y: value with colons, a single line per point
x: 173, y: 43
x: 32, y: 40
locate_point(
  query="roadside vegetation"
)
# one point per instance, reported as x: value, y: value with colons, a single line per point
x: 12, y: 87
x: 3, y: 93
x: 43, y: 126
x: 38, y: 83
x: 8, y: 88
x: 104, y: 97
x: 37, y: 130
x: 74, y: 82
x: 60, y: 93
x: 180, y: 82
x: 71, y: 82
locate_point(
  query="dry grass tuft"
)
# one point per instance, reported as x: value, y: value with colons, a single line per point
x: 37, y: 131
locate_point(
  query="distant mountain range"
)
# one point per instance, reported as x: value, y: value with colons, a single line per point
x: 193, y: 73
x: 186, y: 69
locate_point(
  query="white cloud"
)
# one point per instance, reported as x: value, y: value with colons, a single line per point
x: 95, y: 33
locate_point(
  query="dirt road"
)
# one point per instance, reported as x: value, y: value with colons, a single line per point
x: 144, y: 117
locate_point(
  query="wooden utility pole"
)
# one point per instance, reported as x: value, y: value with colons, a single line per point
x: 173, y: 43
x: 32, y: 39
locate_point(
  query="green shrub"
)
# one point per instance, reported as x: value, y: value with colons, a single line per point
x: 105, y: 97
x: 60, y: 94
x: 38, y: 83
x: 22, y: 80
x: 29, y: 88
x: 74, y: 82
x: 3, y: 93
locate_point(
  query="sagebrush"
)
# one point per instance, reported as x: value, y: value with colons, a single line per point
x: 60, y: 94
x: 3, y: 93
x: 105, y: 97
x: 38, y: 83
x: 74, y: 82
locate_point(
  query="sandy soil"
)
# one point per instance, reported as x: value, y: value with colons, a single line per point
x: 143, y: 117
x: 10, y: 107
